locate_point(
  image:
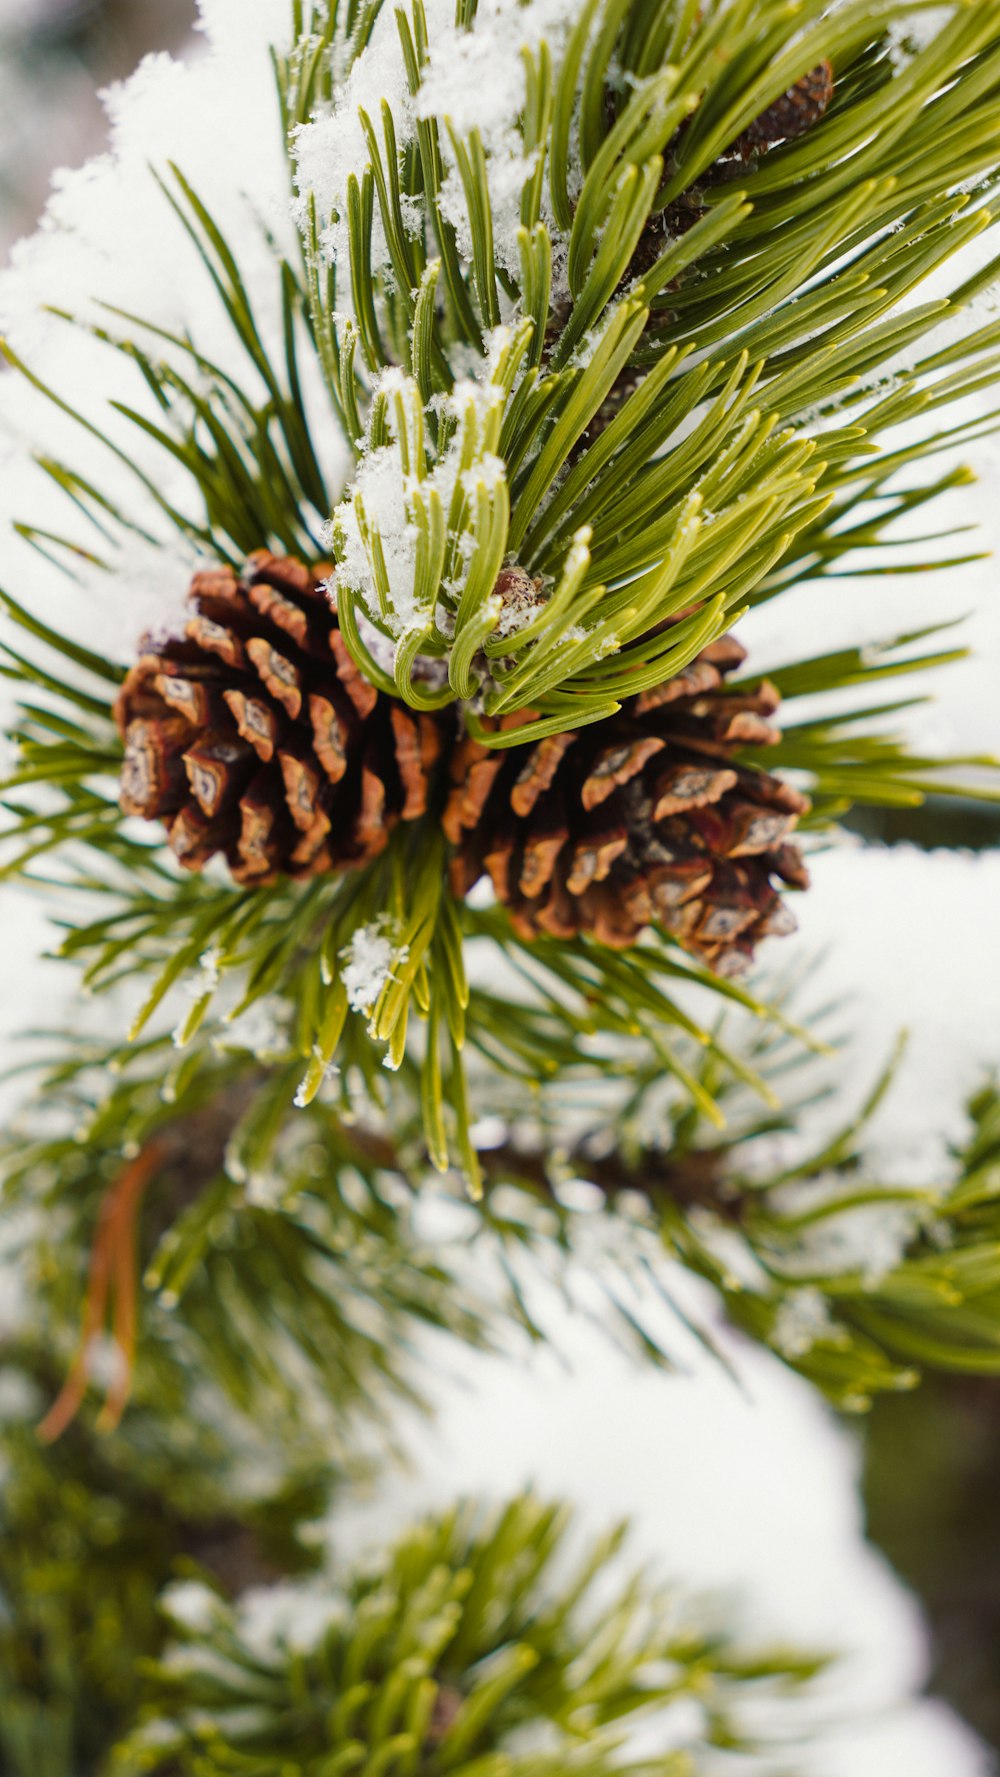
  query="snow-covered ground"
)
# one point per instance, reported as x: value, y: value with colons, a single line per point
x: 746, y: 1495
x: 753, y: 1494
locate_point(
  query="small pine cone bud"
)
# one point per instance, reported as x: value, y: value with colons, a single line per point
x: 646, y: 819
x: 520, y: 596
x: 253, y: 735
x: 794, y: 114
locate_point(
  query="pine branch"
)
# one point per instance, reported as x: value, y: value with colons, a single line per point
x: 92, y: 1529
x: 284, y: 1278
x: 450, y: 1652
x: 254, y: 1245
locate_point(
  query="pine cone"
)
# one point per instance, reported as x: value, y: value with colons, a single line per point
x: 644, y: 819
x: 254, y: 736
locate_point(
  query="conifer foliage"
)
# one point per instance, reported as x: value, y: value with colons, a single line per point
x: 445, y: 787
x: 443, y: 1654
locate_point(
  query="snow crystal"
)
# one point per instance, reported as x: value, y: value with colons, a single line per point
x: 476, y: 79
x: 802, y: 1320
x: 381, y: 485
x: 191, y: 1605
x: 331, y: 1072
x: 332, y: 147
x: 209, y: 973
x: 869, y: 1238
x: 848, y: 1235
x: 369, y: 960
x: 907, y: 37
x: 490, y: 470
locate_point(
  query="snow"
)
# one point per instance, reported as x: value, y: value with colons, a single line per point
x: 839, y: 1236
x: 475, y: 78
x: 381, y: 485
x: 369, y: 960
x: 911, y: 939
x: 332, y: 146
x: 109, y: 235
x: 38, y: 994
x: 745, y: 1492
x: 802, y: 1319
x: 389, y: 496
x: 908, y: 36
x: 191, y: 1605
x: 287, y: 1617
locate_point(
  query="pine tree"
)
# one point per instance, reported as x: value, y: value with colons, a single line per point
x: 432, y: 848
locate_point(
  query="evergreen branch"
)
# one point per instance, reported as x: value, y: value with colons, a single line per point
x: 437, y: 1657
x: 233, y: 1215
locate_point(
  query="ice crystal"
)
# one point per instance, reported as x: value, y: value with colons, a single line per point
x: 368, y: 960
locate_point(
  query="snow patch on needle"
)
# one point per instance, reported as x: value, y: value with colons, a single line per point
x: 369, y: 960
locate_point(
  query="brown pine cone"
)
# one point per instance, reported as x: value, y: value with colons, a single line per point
x: 254, y: 736
x: 644, y: 819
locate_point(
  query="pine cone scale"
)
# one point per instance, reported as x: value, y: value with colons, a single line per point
x: 278, y: 675
x: 256, y: 723
x: 218, y: 768
x: 536, y: 776
x: 617, y: 765
x: 687, y: 786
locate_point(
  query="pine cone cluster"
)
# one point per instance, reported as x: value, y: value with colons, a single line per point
x: 253, y: 736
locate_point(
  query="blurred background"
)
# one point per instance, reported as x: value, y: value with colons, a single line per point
x: 55, y: 57
x: 931, y: 1459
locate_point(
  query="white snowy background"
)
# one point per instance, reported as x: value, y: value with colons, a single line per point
x: 751, y: 1494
